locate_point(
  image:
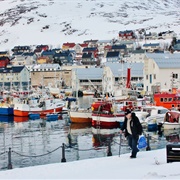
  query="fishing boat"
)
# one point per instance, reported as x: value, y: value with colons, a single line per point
x: 168, y: 100
x: 172, y: 120
x: 156, y: 117
x: 6, y: 110
x: 6, y: 107
x: 106, y: 114
x: 38, y: 106
x: 80, y: 115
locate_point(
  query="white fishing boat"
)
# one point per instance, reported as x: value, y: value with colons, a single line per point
x: 41, y: 106
x: 172, y: 120
x: 156, y: 117
x: 80, y: 115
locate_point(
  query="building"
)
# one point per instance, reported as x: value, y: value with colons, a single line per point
x: 128, y: 34
x: 87, y: 78
x: 45, y: 75
x: 22, y: 59
x: 115, y: 77
x: 14, y: 77
x: 161, y: 72
x: 113, y: 56
x: 137, y: 56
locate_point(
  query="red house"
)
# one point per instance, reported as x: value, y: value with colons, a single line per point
x: 40, y: 48
x: 128, y: 34
x: 4, y: 61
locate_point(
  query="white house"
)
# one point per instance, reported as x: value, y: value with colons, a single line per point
x: 115, y: 76
x: 137, y: 56
x: 161, y: 71
x: 14, y: 77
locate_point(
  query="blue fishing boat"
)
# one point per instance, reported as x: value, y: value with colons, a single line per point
x: 5, y: 110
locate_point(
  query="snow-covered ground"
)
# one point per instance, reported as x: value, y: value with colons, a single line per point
x: 53, y: 22
x: 147, y: 165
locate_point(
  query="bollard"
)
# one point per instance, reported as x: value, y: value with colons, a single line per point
x: 63, y: 153
x: 109, y: 153
x: 148, y: 146
x: 9, y: 159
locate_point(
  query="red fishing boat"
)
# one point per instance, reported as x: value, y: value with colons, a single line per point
x: 169, y: 100
x: 106, y: 114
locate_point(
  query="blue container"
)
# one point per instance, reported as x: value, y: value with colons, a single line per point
x: 34, y: 116
x: 52, y: 117
x: 152, y: 127
x: 6, y: 111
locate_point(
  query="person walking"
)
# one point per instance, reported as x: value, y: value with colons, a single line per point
x: 133, y: 129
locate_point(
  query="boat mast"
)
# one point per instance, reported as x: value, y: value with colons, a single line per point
x: 76, y: 87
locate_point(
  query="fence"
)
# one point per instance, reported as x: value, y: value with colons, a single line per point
x: 64, y: 147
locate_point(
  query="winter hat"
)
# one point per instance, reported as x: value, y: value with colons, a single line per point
x: 127, y: 112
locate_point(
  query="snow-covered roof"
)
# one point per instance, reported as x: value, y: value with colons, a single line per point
x: 136, y: 69
x: 89, y: 73
x: 165, y: 60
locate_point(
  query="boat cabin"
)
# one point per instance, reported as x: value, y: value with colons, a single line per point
x: 172, y: 117
x: 167, y: 100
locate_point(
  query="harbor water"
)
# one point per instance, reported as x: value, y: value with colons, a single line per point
x: 39, y: 142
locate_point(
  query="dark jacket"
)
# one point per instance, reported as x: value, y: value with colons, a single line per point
x: 136, y: 127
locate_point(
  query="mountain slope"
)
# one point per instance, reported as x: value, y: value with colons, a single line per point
x: 29, y: 22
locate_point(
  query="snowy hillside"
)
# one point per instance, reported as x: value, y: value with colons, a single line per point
x: 28, y: 22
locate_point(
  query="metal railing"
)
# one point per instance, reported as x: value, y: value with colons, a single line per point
x: 106, y: 145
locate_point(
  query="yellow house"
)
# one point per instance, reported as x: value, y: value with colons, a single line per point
x: 43, y: 60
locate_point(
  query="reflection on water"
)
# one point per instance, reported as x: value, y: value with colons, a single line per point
x: 33, y: 141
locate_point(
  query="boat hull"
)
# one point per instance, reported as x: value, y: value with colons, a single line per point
x: 18, y: 112
x: 6, y: 111
x: 106, y: 120
x: 80, y: 117
x: 173, y: 126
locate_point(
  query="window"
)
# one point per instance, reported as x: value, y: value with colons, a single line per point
x: 150, y: 78
x: 154, y: 76
x: 146, y: 77
x: 169, y: 99
x: 175, y: 76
